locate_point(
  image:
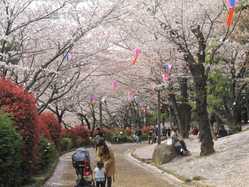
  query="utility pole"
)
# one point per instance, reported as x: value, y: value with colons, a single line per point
x: 100, y: 114
x: 158, y: 116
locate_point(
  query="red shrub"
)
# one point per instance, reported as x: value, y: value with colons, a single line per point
x: 80, y: 131
x: 43, y: 129
x: 145, y: 129
x: 128, y: 131
x: 22, y: 105
x: 50, y: 127
x: 79, y: 134
x: 107, y: 131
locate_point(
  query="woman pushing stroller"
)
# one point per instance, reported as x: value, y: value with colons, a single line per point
x: 105, y: 155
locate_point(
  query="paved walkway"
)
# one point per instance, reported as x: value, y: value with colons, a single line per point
x: 129, y: 174
x: 228, y: 167
x: 64, y: 175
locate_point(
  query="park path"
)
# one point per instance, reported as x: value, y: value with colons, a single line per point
x: 129, y: 173
x: 64, y: 175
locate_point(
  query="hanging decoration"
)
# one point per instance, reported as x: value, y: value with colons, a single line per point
x: 68, y: 56
x: 231, y: 10
x: 93, y: 99
x: 130, y: 96
x: 137, y: 52
x: 231, y: 3
x: 230, y: 17
x: 167, y: 69
x: 114, y: 85
x: 165, y: 77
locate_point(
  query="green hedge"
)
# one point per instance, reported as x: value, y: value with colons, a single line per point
x: 120, y: 138
x: 47, y: 155
x: 10, y: 153
x: 66, y: 144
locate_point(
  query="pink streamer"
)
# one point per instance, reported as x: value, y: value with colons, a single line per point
x: 130, y: 96
x: 165, y: 77
x: 114, y: 85
x: 93, y: 99
x: 137, y: 52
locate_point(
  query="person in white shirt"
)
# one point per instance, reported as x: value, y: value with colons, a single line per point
x: 99, y: 174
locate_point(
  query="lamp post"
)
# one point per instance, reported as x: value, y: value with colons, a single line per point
x: 137, y: 99
x: 145, y: 112
x: 102, y: 100
x: 158, y: 116
x: 100, y: 115
x: 158, y: 89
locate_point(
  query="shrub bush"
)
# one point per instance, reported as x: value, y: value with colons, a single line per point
x: 78, y: 134
x: 66, y: 144
x: 128, y: 131
x: 144, y: 137
x: 22, y: 106
x: 43, y: 129
x: 146, y: 130
x: 121, y: 138
x: 47, y: 155
x: 10, y: 153
x: 49, y: 122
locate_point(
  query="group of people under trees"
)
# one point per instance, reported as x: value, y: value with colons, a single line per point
x: 219, y: 131
x: 105, y: 161
x: 154, y: 133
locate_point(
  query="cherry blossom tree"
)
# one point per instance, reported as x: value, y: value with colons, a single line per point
x: 190, y: 27
x: 46, y: 46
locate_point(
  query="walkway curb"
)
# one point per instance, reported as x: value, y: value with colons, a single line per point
x: 146, y: 163
x: 171, y: 178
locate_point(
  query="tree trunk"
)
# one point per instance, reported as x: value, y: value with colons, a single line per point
x: 183, y: 82
x: 200, y: 80
x: 172, y: 100
x: 100, y: 115
x: 184, y: 108
x: 82, y: 118
x: 185, y: 116
x: 236, y: 121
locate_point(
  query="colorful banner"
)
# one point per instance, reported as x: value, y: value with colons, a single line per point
x: 114, y: 85
x: 68, y: 56
x: 130, y: 96
x: 137, y: 52
x: 93, y: 99
x: 167, y: 70
x: 230, y: 17
x: 231, y: 11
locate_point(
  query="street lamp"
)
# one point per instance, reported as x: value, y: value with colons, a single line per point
x: 158, y: 89
x: 138, y: 101
x: 144, y: 109
x: 102, y: 100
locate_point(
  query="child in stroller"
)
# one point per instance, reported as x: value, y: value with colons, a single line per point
x: 82, y: 165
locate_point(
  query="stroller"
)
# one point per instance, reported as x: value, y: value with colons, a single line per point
x: 82, y: 165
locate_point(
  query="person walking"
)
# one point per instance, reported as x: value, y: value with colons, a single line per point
x: 106, y: 155
x: 99, y: 174
x: 150, y: 136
